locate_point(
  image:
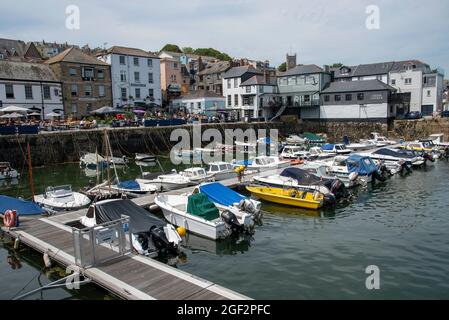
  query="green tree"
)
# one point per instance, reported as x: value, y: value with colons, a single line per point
x: 187, y: 50
x: 171, y: 48
x: 337, y: 65
x: 282, y: 67
x: 210, y: 52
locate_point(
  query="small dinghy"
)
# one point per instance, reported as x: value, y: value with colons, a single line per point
x: 227, y: 198
x: 22, y: 207
x: 197, y: 214
x: 6, y: 172
x: 91, y: 160
x: 62, y: 198
x: 144, y: 157
x: 150, y: 235
x: 134, y: 186
x: 291, y: 197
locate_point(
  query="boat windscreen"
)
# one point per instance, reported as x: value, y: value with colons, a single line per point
x: 129, y: 184
x: 140, y: 219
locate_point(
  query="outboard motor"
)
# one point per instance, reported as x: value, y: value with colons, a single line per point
x: 231, y: 220
x: 329, y: 199
x: 377, y: 176
x: 338, y: 188
x: 428, y: 156
x: 159, y: 238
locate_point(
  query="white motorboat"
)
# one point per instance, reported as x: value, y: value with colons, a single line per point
x: 226, y: 198
x: 438, y: 140
x: 6, y: 172
x: 352, y: 169
x: 338, y: 148
x: 91, y: 160
x: 196, y: 175
x: 166, y: 182
x: 376, y: 137
x: 62, y: 198
x: 150, y: 235
x: 321, y: 170
x: 119, y: 161
x: 356, y: 146
x: 134, y: 186
x: 294, y: 153
x: 262, y: 163
x: 144, y: 157
x: 295, y: 139
x: 317, y: 154
x: 246, y: 146
x: 221, y: 170
x: 197, y: 214
x: 388, y: 155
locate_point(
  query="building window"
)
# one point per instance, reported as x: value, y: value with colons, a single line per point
x: 124, y: 95
x: 337, y: 97
x: 261, y: 90
x: 9, y: 91
x: 101, y: 91
x: 229, y: 101
x: 191, y: 106
x: 173, y: 78
x: 123, y: 76
x: 136, y: 61
x: 87, y: 73
x: 151, y: 93
x: 150, y: 63
x: 150, y: 78
x: 307, y: 98
x: 408, y: 80
x: 198, y: 104
x: 137, y: 93
x: 379, y: 77
x: 72, y: 71
x: 122, y: 60
x: 56, y: 92
x: 100, y: 74
x: 393, y: 82
x: 47, y: 92
x: 248, y: 89
x: 326, y: 98
x: 88, y: 108
x: 236, y: 99
x: 136, y: 76
x: 229, y: 83
x: 175, y: 65
x: 236, y: 82
x: 74, y: 90
x: 348, y: 97
x: 376, y: 96
x: 88, y: 90
x: 28, y: 92
x: 360, y: 96
x: 428, y: 93
x: 74, y: 108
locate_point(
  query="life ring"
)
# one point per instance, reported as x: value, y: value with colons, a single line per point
x: 10, y: 218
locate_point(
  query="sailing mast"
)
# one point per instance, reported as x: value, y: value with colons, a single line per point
x: 30, y: 171
x: 107, y: 157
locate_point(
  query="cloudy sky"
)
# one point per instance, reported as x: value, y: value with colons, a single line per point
x: 319, y: 31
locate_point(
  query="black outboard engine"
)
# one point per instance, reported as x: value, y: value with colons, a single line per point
x: 329, y: 199
x: 231, y: 220
x: 428, y: 156
x: 159, y: 238
x: 377, y: 176
x: 338, y: 189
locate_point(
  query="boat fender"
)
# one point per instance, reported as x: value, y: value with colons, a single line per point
x: 47, y: 260
x: 231, y: 220
x: 316, y: 195
x: 10, y: 218
x: 17, y: 243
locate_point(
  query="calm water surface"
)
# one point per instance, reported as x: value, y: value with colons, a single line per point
x: 401, y: 226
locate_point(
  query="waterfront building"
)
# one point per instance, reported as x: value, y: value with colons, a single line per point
x: 30, y: 85
x: 210, y: 77
x: 420, y: 86
x: 135, y: 76
x: 86, y: 81
x: 245, y: 89
x: 200, y: 102
x: 369, y: 100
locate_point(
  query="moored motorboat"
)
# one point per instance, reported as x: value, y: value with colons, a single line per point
x: 134, y: 186
x: 166, y: 182
x: 62, y: 198
x: 150, y: 235
x: 196, y: 175
x: 92, y: 160
x: 221, y: 171
x: 294, y: 153
x: 392, y: 155
x: 7, y: 172
x: 291, y: 197
x: 197, y: 214
x: 338, y: 148
x: 144, y: 157
x: 22, y: 207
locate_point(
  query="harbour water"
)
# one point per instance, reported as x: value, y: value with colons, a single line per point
x: 401, y: 226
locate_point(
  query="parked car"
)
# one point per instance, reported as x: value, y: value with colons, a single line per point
x: 445, y: 114
x: 413, y: 115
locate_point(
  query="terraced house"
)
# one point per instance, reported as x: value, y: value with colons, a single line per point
x: 86, y: 81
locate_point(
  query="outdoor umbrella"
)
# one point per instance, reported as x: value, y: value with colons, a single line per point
x: 105, y: 110
x: 139, y: 111
x: 14, y: 109
x: 34, y: 114
x: 12, y: 115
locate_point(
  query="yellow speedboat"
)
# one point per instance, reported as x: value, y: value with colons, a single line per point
x: 291, y: 197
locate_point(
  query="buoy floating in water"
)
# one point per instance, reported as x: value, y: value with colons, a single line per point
x: 47, y: 260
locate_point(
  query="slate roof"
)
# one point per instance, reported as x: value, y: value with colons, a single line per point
x: 257, y: 80
x: 130, y: 52
x: 26, y: 71
x: 356, y: 86
x: 302, y: 69
x: 215, y: 67
x: 239, y: 71
x: 75, y: 55
x: 12, y: 46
